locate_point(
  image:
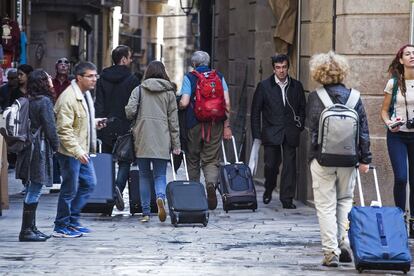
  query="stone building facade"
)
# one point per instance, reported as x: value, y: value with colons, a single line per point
x: 369, y: 33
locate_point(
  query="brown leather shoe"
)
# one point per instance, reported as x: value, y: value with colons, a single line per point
x: 211, y: 196
x: 161, y: 210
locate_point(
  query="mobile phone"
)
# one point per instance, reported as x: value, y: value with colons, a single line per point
x: 396, y: 124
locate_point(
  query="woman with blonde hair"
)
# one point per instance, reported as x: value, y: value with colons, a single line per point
x: 333, y: 186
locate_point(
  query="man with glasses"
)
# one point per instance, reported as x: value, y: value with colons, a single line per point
x: 76, y: 127
x: 277, y: 118
x: 112, y: 94
x: 61, y: 80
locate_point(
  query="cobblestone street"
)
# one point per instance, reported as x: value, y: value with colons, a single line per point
x: 270, y: 241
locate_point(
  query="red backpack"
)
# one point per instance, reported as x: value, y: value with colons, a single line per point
x: 209, y: 105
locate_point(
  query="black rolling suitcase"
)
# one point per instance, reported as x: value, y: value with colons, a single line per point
x: 187, y: 201
x: 134, y: 195
x: 102, y: 199
x: 236, y: 184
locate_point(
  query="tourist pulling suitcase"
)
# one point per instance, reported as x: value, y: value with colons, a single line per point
x: 102, y: 199
x: 236, y: 184
x: 134, y: 194
x: 187, y: 201
x: 378, y: 235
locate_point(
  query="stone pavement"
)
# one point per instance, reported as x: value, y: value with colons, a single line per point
x: 270, y: 241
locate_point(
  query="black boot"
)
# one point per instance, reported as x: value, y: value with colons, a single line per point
x: 27, y: 233
x: 34, y: 228
x: 411, y: 225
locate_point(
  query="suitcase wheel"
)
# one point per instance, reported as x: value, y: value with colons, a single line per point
x: 205, y: 223
x: 174, y: 221
x: 254, y: 210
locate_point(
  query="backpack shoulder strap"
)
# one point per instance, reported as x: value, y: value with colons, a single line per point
x: 353, y: 98
x: 324, y: 96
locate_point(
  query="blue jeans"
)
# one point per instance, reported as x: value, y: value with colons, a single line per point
x: 122, y: 176
x: 400, y: 148
x: 33, y: 193
x: 159, y: 170
x: 78, y: 182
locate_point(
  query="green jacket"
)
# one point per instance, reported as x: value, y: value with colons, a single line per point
x: 75, y: 126
x: 156, y: 130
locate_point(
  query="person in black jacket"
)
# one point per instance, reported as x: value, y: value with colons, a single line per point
x: 333, y: 186
x: 113, y: 90
x: 35, y: 164
x: 277, y: 118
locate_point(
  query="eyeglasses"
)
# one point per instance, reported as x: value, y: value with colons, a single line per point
x: 65, y: 61
x: 91, y: 76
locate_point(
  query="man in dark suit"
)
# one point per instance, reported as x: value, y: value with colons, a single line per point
x: 277, y: 118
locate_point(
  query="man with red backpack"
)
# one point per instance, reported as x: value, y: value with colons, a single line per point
x: 205, y: 96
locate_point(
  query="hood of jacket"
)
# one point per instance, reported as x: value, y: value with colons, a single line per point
x: 157, y: 85
x: 116, y: 73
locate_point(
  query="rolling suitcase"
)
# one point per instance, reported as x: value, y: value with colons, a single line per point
x: 378, y: 235
x: 187, y: 201
x: 236, y: 184
x: 134, y: 194
x: 102, y: 199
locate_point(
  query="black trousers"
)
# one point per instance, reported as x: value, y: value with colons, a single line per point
x: 273, y: 158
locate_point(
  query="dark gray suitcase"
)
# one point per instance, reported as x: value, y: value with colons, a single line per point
x: 102, y: 199
x: 236, y: 184
x: 134, y: 194
x: 187, y: 201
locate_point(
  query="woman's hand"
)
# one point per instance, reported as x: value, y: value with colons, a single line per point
x: 176, y: 151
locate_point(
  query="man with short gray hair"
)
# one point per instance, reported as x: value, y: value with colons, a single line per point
x: 204, y: 137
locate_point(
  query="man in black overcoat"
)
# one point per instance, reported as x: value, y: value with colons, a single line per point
x: 277, y: 118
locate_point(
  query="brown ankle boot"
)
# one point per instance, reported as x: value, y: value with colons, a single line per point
x: 211, y: 196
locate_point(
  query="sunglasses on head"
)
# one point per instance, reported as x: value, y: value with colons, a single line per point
x: 65, y: 61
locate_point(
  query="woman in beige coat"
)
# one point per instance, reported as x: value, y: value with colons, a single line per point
x: 156, y: 133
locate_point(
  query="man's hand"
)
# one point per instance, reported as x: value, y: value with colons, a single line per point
x: 176, y: 151
x: 227, y: 133
x: 100, y: 123
x: 84, y: 159
x: 363, y: 168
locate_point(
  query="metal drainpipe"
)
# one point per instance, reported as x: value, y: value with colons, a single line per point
x: 298, y: 40
x: 411, y: 21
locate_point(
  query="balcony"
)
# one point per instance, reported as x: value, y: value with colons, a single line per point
x: 74, y: 6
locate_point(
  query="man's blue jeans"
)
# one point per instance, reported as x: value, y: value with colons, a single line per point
x: 400, y: 148
x: 78, y: 182
x: 159, y: 170
x: 123, y: 175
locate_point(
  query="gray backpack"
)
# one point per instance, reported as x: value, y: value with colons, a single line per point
x: 338, y: 131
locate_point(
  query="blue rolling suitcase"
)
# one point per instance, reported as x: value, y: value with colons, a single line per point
x: 187, y: 201
x: 378, y: 235
x: 236, y: 184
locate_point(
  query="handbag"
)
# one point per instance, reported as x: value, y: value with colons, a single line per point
x: 124, y: 148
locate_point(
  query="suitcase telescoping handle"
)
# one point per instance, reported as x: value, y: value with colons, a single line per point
x: 361, y: 195
x: 234, y: 149
x: 185, y: 166
x: 99, y: 144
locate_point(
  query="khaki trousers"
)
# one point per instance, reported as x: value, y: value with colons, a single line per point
x: 204, y: 153
x: 333, y: 190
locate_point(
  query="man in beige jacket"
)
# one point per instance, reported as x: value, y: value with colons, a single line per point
x: 76, y: 126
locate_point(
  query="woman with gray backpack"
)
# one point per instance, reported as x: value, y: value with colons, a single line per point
x: 34, y: 163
